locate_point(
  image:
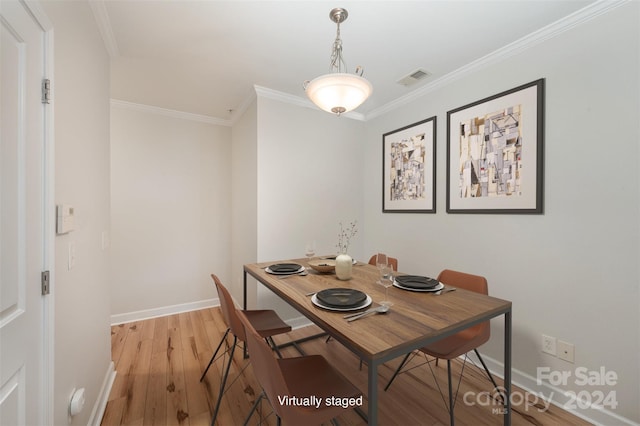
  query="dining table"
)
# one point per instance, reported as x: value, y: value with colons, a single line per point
x: 415, y: 320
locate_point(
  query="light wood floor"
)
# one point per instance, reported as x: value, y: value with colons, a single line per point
x: 159, y: 363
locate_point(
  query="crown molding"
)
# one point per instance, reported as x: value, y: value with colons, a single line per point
x: 594, y: 10
x: 297, y: 100
x: 265, y: 92
x: 170, y: 113
x: 579, y: 17
x: 101, y: 16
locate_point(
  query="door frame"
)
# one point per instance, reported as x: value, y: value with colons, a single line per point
x: 49, y: 217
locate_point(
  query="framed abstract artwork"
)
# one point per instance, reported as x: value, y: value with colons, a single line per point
x: 409, y: 168
x: 495, y: 153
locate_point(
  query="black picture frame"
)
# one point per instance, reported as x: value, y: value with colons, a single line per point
x: 495, y: 153
x: 409, y: 168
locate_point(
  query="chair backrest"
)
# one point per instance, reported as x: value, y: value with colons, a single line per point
x: 265, y: 366
x: 463, y: 280
x: 392, y: 261
x: 469, y: 282
x: 229, y: 311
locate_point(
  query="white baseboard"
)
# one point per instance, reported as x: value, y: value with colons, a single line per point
x: 117, y: 319
x: 555, y: 395
x: 103, y: 396
x: 299, y: 322
x: 163, y: 311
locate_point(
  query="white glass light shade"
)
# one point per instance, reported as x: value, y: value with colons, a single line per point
x: 338, y: 92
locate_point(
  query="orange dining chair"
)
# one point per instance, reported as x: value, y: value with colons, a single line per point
x: 392, y: 261
x: 301, y: 377
x: 266, y: 322
x: 462, y: 342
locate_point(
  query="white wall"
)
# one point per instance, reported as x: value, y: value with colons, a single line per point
x: 309, y: 171
x: 244, y: 200
x: 573, y: 272
x: 309, y: 179
x: 170, y: 215
x: 81, y: 121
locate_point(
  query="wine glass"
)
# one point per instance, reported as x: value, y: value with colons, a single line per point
x: 386, y: 280
x: 381, y: 262
x: 310, y: 249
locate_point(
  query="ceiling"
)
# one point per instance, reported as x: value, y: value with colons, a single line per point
x: 204, y: 57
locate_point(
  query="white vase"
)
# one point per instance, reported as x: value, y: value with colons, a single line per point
x: 344, y: 263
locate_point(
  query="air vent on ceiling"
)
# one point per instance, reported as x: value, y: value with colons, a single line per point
x: 414, y: 77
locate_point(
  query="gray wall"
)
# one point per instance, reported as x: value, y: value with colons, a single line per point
x: 296, y: 176
x: 170, y: 215
x: 81, y: 123
x: 571, y: 273
x: 244, y: 184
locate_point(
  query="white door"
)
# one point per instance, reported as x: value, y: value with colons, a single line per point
x: 22, y: 215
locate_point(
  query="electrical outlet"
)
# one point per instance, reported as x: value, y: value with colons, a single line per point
x: 549, y: 345
x: 566, y: 351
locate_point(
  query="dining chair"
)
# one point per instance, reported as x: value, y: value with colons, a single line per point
x: 390, y: 260
x: 303, y: 377
x: 266, y: 322
x: 462, y: 342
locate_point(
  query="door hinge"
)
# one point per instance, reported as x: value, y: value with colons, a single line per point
x: 46, y: 91
x: 44, y: 279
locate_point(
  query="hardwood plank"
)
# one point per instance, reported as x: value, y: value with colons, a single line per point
x: 177, y: 406
x: 137, y: 383
x: 206, y: 314
x: 160, y: 335
x: 204, y: 348
x: 191, y: 366
x: 113, y: 411
x: 118, y: 337
x: 173, y: 351
x: 124, y: 364
x: 155, y: 409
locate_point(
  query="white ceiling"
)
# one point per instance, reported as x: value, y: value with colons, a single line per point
x: 204, y: 57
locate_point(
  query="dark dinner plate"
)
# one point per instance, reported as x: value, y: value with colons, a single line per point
x: 341, y: 297
x: 285, y: 268
x: 416, y: 281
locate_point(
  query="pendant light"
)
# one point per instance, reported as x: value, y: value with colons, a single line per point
x: 338, y: 92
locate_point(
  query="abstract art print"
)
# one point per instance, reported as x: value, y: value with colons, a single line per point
x: 409, y: 168
x: 495, y: 153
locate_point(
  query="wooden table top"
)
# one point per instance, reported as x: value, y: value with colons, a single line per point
x: 414, y: 320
